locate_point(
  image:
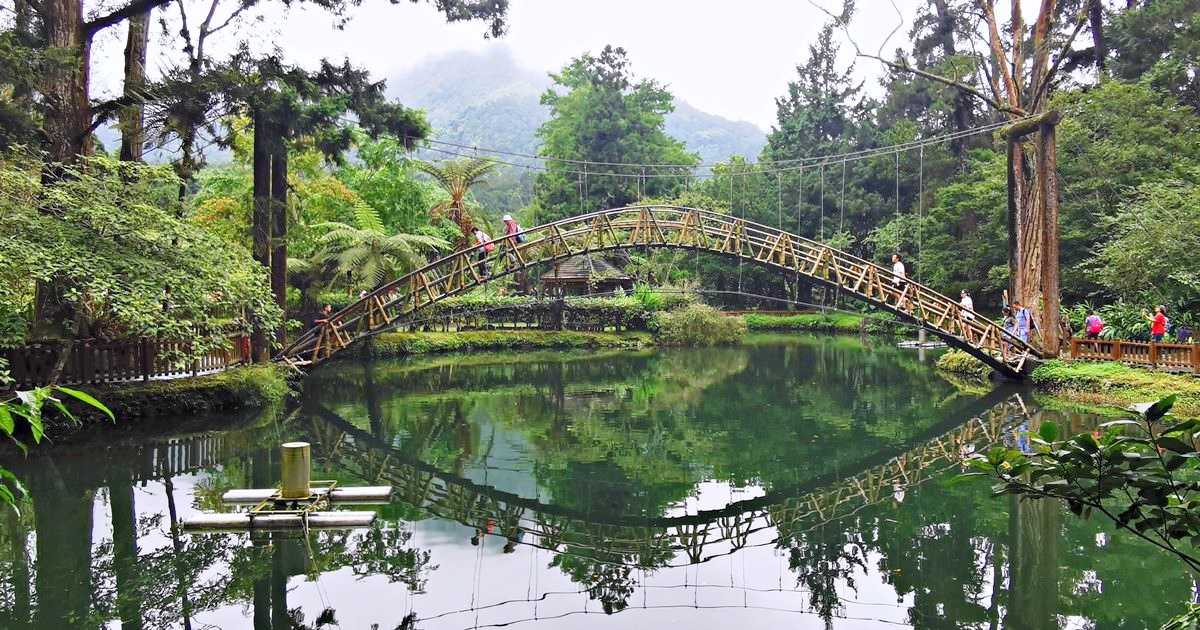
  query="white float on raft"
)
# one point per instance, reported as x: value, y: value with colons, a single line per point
x: 921, y: 344
x: 366, y: 495
x: 244, y: 521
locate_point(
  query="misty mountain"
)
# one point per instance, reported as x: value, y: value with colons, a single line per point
x: 487, y: 101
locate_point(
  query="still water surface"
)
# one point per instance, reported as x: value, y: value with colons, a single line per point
x: 790, y: 482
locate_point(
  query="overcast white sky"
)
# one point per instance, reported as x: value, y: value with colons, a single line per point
x: 726, y: 57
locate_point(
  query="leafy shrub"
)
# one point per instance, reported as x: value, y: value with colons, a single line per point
x: 651, y: 300
x: 962, y: 364
x: 665, y: 298
x: 398, y: 344
x: 697, y: 325
x: 831, y: 322
x: 883, y: 323
x: 1124, y: 321
x: 337, y: 299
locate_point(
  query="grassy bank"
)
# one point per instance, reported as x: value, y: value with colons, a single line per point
x: 1099, y: 387
x: 1116, y: 384
x: 239, y: 388
x: 401, y: 344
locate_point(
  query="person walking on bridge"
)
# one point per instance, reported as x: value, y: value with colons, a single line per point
x: 967, y: 305
x: 899, y: 279
x: 1023, y: 319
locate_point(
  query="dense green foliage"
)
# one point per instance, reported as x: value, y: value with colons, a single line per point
x: 697, y: 325
x: 109, y: 245
x: 604, y: 115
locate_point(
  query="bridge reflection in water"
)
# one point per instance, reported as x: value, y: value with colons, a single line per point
x: 695, y: 537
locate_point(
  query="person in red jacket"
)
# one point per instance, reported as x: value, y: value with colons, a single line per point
x: 1158, y: 323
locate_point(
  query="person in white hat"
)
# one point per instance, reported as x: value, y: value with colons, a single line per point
x: 511, y: 228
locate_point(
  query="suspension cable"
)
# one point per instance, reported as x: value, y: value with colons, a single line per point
x: 920, y: 207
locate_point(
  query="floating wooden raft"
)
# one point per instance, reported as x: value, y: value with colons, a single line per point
x: 366, y: 495
x: 244, y: 521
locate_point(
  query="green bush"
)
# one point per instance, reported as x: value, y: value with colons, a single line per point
x: 337, y: 299
x: 826, y: 322
x: 883, y: 323
x: 960, y: 363
x: 399, y: 344
x: 697, y: 325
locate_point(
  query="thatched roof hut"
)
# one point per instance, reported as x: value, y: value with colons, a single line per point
x: 581, y: 275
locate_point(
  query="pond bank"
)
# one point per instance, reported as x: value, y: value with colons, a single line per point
x: 247, y: 387
x: 1101, y: 387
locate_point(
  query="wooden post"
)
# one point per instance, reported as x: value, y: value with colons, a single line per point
x: 1116, y: 350
x: 1196, y: 357
x: 1153, y: 354
x: 147, y: 363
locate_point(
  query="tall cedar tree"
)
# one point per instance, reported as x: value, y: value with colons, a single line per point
x: 601, y: 116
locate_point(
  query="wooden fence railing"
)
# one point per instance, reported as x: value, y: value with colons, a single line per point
x: 1166, y: 355
x: 93, y: 362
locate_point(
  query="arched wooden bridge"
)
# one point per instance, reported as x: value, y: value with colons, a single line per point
x: 397, y: 302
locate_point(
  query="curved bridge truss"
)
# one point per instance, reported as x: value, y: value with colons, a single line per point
x: 396, y: 303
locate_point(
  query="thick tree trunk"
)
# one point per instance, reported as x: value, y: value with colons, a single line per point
x: 132, y: 124
x: 67, y: 111
x: 1033, y: 227
x: 279, y: 197
x: 1047, y: 174
x: 261, y: 219
x: 1096, y: 23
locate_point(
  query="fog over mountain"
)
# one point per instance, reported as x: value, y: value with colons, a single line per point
x: 486, y: 100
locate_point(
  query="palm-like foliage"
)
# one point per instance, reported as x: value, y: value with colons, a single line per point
x: 457, y: 177
x: 366, y: 256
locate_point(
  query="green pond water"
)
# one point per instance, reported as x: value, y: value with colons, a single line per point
x: 795, y: 482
